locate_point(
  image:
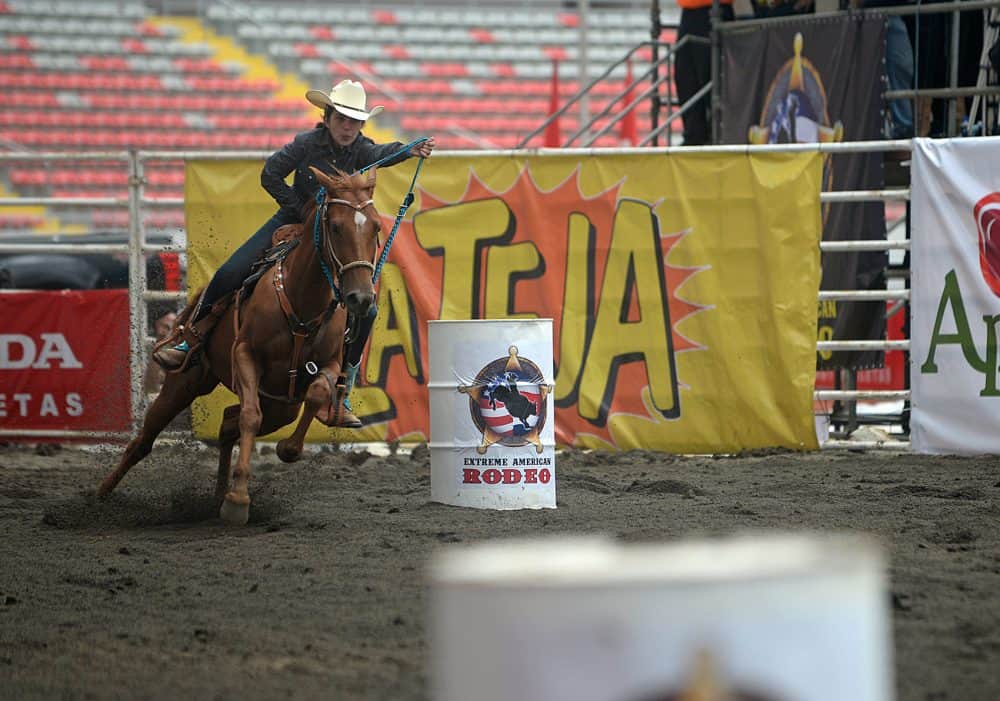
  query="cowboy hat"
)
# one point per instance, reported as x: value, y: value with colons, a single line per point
x: 347, y: 97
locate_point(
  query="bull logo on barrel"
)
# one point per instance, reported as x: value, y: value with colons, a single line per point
x: 507, y: 402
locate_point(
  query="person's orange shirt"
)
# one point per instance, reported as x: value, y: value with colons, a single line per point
x: 694, y: 4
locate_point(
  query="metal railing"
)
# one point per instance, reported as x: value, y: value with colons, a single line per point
x: 953, y: 91
x: 651, y: 71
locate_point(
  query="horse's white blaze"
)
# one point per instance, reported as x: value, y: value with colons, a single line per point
x: 359, y: 219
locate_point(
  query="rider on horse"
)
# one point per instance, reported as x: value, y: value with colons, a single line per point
x: 336, y: 142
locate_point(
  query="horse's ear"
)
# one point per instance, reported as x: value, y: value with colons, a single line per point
x: 324, y: 179
x: 371, y: 178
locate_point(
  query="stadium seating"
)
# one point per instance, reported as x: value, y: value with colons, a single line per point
x: 107, y: 75
x: 417, y: 59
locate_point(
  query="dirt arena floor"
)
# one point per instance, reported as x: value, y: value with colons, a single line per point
x: 321, y: 596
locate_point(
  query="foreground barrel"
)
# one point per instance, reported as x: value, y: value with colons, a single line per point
x: 761, y: 618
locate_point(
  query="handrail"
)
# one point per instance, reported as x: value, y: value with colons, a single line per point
x: 12, y: 145
x: 583, y: 91
x: 240, y: 10
x: 720, y: 29
x: 737, y: 26
x: 471, y: 137
x: 679, y: 113
x: 652, y: 90
x: 623, y: 111
x: 64, y: 155
x: 965, y: 91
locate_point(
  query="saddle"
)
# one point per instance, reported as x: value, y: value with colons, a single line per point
x: 283, y: 242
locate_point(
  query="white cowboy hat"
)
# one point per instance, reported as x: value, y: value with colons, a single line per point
x: 347, y: 97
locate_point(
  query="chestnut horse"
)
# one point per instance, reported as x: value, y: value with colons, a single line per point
x: 256, y: 355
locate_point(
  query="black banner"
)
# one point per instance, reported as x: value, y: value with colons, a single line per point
x: 809, y: 80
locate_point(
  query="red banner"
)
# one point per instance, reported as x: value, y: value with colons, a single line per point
x: 64, y: 360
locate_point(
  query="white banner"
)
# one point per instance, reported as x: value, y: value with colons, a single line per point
x: 955, y: 304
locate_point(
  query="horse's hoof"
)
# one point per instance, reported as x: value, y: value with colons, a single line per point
x: 287, y: 453
x: 234, y: 513
x: 105, y: 488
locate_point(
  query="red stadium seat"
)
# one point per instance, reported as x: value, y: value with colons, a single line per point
x: 21, y: 43
x: 668, y: 34
x: 569, y: 19
x: 27, y: 177
x: 482, y: 36
x: 450, y: 70
x: 104, y: 63
x: 384, y: 17
x: 306, y: 50
x: 322, y: 32
x: 16, y: 61
x: 503, y: 70
x: 135, y: 46
x: 556, y: 53
x: 148, y: 29
x: 395, y: 51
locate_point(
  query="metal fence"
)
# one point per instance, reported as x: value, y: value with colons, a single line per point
x: 137, y: 205
x: 952, y: 91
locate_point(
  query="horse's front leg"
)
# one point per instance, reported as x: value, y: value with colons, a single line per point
x: 319, y: 395
x: 236, y: 504
x: 229, y: 433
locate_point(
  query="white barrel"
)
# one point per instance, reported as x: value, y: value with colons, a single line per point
x: 752, y: 618
x: 492, y: 413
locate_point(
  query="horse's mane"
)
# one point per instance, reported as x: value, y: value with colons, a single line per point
x: 341, y: 181
x: 351, y: 181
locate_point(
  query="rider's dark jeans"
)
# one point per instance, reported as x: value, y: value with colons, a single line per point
x: 234, y: 271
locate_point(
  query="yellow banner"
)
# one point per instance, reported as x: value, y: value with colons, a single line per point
x: 683, y: 288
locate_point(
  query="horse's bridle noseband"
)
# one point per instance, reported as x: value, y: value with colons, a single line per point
x: 341, y: 268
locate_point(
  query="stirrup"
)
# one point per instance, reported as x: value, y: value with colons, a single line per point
x: 172, y: 358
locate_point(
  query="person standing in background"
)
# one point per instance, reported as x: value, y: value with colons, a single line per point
x: 693, y: 67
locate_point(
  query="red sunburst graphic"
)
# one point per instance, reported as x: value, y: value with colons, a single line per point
x: 542, y: 220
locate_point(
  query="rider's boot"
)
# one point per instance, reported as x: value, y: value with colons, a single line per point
x: 354, y: 350
x: 174, y: 352
x: 347, y: 419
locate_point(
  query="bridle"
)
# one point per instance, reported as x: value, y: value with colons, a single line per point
x: 323, y: 240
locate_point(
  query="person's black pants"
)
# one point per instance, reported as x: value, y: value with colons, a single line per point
x: 693, y: 70
x: 236, y: 269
